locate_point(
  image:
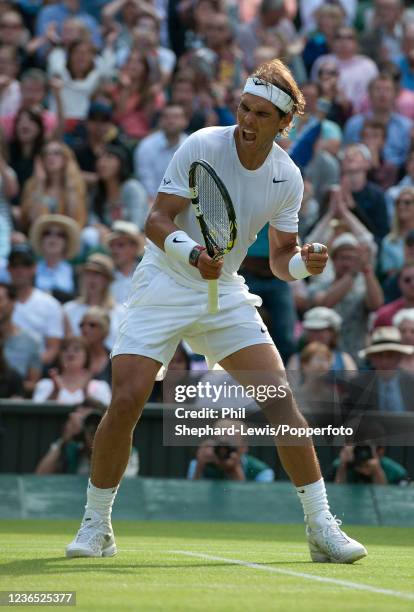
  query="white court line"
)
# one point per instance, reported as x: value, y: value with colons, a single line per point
x: 287, y: 572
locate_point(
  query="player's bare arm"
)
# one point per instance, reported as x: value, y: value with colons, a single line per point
x: 283, y: 248
x: 160, y: 224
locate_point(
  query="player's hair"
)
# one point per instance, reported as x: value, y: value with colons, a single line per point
x: 277, y: 73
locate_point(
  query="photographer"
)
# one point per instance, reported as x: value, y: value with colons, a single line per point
x: 71, y: 453
x: 367, y: 464
x: 226, y: 458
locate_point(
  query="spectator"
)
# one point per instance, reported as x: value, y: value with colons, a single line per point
x: 406, y: 181
x: 10, y: 94
x: 405, y: 61
x: 354, y: 293
x: 390, y: 284
x: 382, y: 95
x: 183, y: 93
x: 71, y: 382
x: 271, y: 15
x: 126, y: 245
x: 367, y: 464
x: 154, y: 152
x: 330, y: 135
x: 73, y: 30
x: 81, y: 75
x: 308, y: 12
x: 388, y: 388
x: 328, y: 17
x: 21, y: 349
x: 355, y: 71
x: 365, y: 199
x: 138, y: 95
x: 57, y: 14
x: 96, y: 277
x: 382, y: 37
x: 339, y: 218
x: 383, y: 173
x: 404, y: 321
x: 392, y: 248
x: 33, y: 87
x: 56, y: 186
x: 322, y: 325
x: 406, y: 286
x: 8, y: 184
x: 55, y: 238
x: 71, y: 454
x: 11, y: 383
x: 146, y: 37
x: 35, y: 310
x: 89, y: 138
x: 26, y: 144
x: 227, y: 458
x: 94, y: 329
x: 329, y: 89
x: 117, y: 195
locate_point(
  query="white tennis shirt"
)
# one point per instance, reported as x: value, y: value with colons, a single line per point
x: 272, y: 193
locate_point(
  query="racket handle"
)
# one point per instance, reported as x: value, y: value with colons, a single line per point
x: 213, y: 296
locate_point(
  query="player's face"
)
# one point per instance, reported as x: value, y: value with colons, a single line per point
x: 258, y: 122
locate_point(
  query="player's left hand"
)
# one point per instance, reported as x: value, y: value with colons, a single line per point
x: 315, y: 256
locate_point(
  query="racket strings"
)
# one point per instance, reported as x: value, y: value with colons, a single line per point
x: 214, y: 208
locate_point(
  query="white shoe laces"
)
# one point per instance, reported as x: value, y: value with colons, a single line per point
x: 332, y: 529
x: 84, y: 533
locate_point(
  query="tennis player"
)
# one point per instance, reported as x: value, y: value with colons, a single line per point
x: 168, y: 302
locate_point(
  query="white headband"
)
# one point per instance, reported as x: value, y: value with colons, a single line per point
x: 270, y: 92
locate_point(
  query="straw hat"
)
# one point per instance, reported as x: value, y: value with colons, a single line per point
x: 122, y: 228
x: 68, y: 225
x: 98, y: 262
x: 386, y: 339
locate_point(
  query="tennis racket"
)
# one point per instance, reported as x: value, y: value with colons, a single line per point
x: 215, y: 213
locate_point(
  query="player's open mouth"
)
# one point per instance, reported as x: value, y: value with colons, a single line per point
x: 248, y: 135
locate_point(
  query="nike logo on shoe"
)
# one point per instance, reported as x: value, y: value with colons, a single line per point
x: 175, y: 240
x: 280, y: 181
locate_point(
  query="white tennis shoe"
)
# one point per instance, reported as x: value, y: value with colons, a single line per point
x: 95, y: 538
x: 329, y: 544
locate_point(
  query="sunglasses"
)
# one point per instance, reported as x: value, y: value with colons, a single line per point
x: 92, y: 324
x: 345, y: 36
x: 328, y: 72
x: 53, y: 233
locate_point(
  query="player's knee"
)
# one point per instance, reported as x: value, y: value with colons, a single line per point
x: 282, y: 408
x: 128, y: 403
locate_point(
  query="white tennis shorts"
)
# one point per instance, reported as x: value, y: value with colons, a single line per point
x: 161, y: 312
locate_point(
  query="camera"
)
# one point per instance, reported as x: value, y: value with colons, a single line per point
x: 223, y: 451
x: 362, y: 453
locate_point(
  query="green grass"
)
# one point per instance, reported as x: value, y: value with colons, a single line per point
x: 146, y: 575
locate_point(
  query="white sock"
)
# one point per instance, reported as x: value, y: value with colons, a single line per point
x: 100, y: 500
x: 314, y: 501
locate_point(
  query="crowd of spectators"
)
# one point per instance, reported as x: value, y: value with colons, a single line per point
x: 96, y: 97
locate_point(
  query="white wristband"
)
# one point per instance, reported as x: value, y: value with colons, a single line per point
x: 297, y: 267
x: 179, y: 245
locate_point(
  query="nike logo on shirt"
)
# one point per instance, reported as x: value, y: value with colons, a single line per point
x: 280, y: 181
x: 175, y: 240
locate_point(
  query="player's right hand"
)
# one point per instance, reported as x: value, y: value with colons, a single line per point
x: 209, y: 268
